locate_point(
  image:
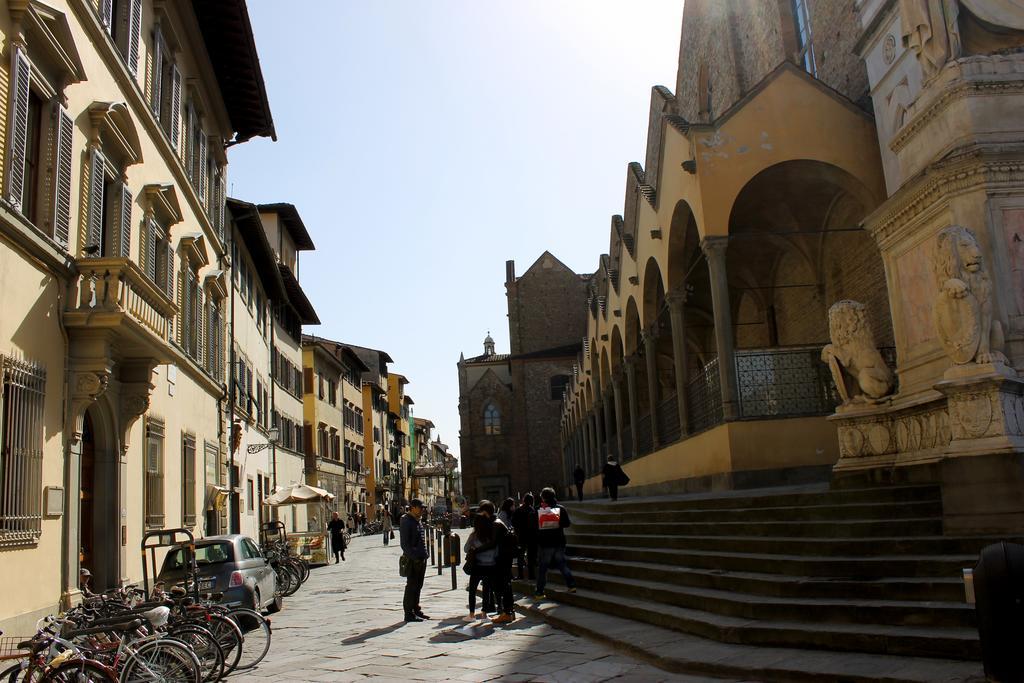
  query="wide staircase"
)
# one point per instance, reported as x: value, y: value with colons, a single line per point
x: 791, y: 584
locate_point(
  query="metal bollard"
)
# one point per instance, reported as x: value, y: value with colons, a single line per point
x: 440, y: 551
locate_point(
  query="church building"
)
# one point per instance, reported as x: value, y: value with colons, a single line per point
x: 510, y: 403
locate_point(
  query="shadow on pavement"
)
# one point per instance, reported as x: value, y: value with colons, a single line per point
x: 374, y: 633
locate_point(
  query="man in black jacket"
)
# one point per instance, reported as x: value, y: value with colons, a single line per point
x: 578, y: 478
x: 552, y: 518
x: 414, y: 547
x: 524, y: 521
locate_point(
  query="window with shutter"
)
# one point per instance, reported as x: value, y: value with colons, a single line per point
x: 188, y: 480
x: 97, y: 180
x: 200, y: 341
x: 150, y: 243
x: 21, y: 72
x: 63, y: 129
x: 154, y: 473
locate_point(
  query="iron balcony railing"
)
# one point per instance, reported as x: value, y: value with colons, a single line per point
x: 785, y: 382
x: 669, y: 430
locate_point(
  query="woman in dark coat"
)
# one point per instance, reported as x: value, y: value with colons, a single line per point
x: 613, y: 477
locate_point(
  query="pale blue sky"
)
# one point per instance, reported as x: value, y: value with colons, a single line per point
x: 425, y: 142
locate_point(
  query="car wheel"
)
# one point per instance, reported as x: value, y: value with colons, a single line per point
x: 275, y: 605
x: 257, y: 604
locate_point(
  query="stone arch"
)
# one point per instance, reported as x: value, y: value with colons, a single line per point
x: 795, y: 247
x: 683, y: 246
x: 653, y: 292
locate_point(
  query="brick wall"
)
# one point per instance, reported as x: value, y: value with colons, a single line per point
x: 546, y: 307
x: 741, y: 41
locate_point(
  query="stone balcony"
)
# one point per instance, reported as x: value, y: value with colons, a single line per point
x: 113, y: 300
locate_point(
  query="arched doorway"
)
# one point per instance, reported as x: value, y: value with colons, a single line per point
x: 795, y: 248
x: 99, y: 535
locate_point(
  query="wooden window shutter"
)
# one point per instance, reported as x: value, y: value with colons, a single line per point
x: 107, y: 13
x: 158, y: 71
x: 221, y: 201
x: 202, y: 170
x: 200, y: 325
x: 168, y: 259
x: 97, y: 176
x: 190, y: 141
x: 64, y: 128
x: 134, y: 35
x: 124, y: 229
x: 149, y: 250
x: 175, y: 103
x: 308, y: 376
x: 18, y: 136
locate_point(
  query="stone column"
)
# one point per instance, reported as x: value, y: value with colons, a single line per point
x: 588, y: 437
x: 677, y: 313
x: 602, y: 435
x: 630, y: 364
x: 617, y: 397
x: 714, y: 251
x: 650, y: 339
x: 606, y: 405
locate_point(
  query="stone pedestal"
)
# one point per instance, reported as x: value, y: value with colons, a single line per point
x: 986, y: 409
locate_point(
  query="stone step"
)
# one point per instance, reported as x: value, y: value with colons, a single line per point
x: 916, y: 641
x: 817, y: 494
x: 773, y: 513
x: 849, y: 567
x: 861, y: 547
x: 949, y: 589
x: 747, y: 606
x: 682, y: 653
x: 846, y: 528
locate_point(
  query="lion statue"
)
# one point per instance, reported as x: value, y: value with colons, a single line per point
x: 963, y: 309
x: 860, y: 373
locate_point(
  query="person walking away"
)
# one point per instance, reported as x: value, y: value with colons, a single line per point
x: 524, y: 521
x: 481, y: 556
x: 501, y: 579
x: 414, y: 547
x: 387, y: 525
x: 578, y: 477
x: 552, y: 519
x: 336, y: 527
x: 612, y: 477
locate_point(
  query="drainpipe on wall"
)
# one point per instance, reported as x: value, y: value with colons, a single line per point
x: 234, y: 517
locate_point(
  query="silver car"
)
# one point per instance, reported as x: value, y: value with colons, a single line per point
x: 231, y: 565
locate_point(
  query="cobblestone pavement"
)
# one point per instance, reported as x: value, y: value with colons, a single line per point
x: 346, y: 624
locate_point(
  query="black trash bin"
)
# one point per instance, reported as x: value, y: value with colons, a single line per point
x: 999, y: 605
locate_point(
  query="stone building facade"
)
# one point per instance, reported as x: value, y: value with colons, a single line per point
x: 509, y: 404
x: 817, y: 152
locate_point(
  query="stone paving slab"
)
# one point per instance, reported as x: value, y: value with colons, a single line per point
x: 346, y: 624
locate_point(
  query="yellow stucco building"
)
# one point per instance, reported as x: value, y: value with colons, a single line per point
x: 113, y: 259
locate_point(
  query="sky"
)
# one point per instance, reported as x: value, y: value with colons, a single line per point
x: 426, y: 142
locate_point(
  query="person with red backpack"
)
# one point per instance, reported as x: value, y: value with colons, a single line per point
x: 552, y: 518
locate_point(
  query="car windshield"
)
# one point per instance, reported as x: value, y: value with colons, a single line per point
x: 213, y: 553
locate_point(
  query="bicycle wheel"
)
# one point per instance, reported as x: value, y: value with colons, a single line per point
x: 304, y: 568
x: 205, y: 646
x: 284, y: 579
x: 230, y: 638
x: 294, y: 582
x: 297, y: 568
x: 80, y: 671
x: 165, y: 660
x: 256, y: 637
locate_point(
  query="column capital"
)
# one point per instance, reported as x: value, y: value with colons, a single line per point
x: 677, y: 298
x: 714, y: 247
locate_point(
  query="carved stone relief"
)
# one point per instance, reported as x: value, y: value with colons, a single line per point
x: 964, y: 318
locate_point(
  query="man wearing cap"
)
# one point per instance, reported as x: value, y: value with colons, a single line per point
x: 414, y: 547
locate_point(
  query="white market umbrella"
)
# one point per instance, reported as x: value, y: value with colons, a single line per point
x: 299, y: 493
